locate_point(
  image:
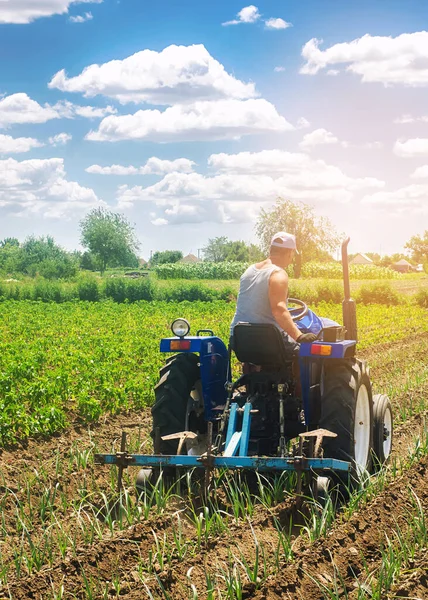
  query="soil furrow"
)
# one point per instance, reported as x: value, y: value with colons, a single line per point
x: 352, y: 548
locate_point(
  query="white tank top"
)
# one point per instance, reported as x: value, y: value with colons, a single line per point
x: 253, y: 304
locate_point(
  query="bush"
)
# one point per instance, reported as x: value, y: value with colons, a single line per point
x: 140, y: 289
x: 329, y: 292
x: 46, y: 291
x: 422, y: 298
x: 191, y: 292
x: 88, y: 289
x: 378, y: 293
x: 115, y: 289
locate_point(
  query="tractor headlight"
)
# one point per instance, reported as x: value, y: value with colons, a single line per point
x: 180, y: 327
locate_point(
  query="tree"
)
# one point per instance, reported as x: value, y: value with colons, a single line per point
x: 10, y: 253
x: 418, y: 247
x: 166, y: 257
x: 237, y: 250
x: 222, y: 249
x: 216, y: 249
x: 316, y: 237
x: 110, y: 238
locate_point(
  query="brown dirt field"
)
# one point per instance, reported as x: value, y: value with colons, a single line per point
x: 353, y: 547
x: 413, y: 583
x: 31, y: 469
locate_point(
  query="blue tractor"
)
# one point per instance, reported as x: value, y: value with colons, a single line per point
x: 313, y: 413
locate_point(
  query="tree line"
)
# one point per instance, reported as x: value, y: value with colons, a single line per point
x: 109, y: 240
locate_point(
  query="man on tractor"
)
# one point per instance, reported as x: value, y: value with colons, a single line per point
x: 263, y: 293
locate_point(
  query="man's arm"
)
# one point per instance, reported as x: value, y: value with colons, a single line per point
x: 278, y: 291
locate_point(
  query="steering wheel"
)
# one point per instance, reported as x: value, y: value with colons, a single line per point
x: 297, y: 313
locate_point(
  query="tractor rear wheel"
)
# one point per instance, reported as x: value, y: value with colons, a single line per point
x: 177, y: 379
x: 347, y: 410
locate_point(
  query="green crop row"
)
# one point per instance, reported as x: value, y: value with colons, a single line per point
x: 233, y: 270
x: 64, y: 361
x: 121, y: 290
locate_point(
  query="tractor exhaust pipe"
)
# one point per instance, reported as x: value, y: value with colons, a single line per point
x: 349, y: 309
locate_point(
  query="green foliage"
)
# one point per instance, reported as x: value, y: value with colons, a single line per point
x: 88, y: 359
x: 202, y: 270
x: 89, y: 262
x: 166, y: 257
x: 418, y: 247
x: 140, y: 289
x: 377, y: 293
x: 110, y: 238
x: 422, y: 298
x: 88, y: 289
x: 37, y: 256
x: 221, y: 249
x: 333, y: 270
x: 115, y: 288
x: 315, y: 236
x: 190, y: 291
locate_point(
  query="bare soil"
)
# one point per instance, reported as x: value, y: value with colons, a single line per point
x: 116, y: 564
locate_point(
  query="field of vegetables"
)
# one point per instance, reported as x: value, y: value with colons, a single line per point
x: 73, y: 375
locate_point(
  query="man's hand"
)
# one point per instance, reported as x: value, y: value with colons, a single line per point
x: 307, y: 338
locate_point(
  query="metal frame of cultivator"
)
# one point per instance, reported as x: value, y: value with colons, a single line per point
x: 235, y: 453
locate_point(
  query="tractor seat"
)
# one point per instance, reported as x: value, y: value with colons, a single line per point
x: 260, y: 344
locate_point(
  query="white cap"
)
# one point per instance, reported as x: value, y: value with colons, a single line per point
x: 282, y: 239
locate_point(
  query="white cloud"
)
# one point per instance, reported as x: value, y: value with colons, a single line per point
x: 223, y: 119
x: 279, y: 69
x: 333, y: 72
x: 60, y: 139
x: 10, y: 145
x: 154, y: 166
x: 404, y: 119
x: 410, y: 199
x: 180, y: 74
x: 318, y: 137
x: 420, y: 173
x: 159, y: 222
x: 277, y: 24
x: 40, y: 186
x: 411, y: 148
x: 303, y: 123
x: 87, y: 16
x: 248, y: 14
x: 26, y: 11
x: 70, y: 111
x: 388, y: 60
x: 20, y: 108
x: 243, y: 183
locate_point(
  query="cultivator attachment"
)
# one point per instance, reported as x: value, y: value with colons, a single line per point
x: 306, y: 458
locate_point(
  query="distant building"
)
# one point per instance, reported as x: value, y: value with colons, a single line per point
x: 361, y: 259
x: 142, y: 262
x: 402, y: 266
x: 190, y: 258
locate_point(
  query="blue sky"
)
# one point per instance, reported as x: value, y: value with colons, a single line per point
x: 230, y: 115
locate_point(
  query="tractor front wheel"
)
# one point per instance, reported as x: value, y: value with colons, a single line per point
x: 347, y: 410
x: 382, y: 429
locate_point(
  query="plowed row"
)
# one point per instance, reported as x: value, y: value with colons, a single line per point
x: 51, y: 487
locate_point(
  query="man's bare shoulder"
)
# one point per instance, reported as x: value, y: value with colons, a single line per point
x: 279, y: 277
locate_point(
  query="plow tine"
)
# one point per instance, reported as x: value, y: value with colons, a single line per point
x: 120, y: 468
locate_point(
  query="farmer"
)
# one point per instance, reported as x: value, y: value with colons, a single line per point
x: 263, y: 292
